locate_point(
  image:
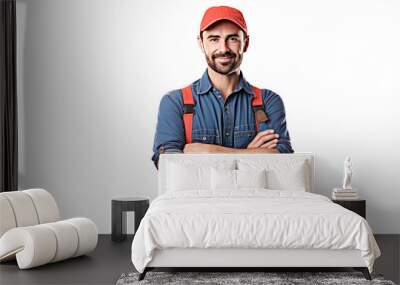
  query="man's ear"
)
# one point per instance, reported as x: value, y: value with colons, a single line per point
x: 246, y: 43
x: 200, y: 43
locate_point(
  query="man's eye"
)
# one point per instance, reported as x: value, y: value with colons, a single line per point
x: 213, y: 40
x: 233, y: 39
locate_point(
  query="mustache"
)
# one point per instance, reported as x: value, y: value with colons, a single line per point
x: 226, y: 54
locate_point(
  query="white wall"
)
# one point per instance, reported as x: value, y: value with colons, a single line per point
x: 91, y: 74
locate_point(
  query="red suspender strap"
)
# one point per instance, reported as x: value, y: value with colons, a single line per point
x: 257, y: 100
x: 258, y: 107
x: 188, y: 109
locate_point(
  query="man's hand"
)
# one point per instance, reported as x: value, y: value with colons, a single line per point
x: 264, y: 139
x: 199, y: 148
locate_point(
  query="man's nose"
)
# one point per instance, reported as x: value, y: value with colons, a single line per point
x: 223, y: 47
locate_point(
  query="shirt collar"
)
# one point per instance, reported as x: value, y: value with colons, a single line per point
x: 205, y: 85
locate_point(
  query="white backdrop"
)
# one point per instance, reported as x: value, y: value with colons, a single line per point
x: 92, y: 73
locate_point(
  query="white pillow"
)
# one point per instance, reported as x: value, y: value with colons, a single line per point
x: 237, y: 179
x: 286, y: 174
x: 292, y: 178
x: 223, y: 179
x: 251, y: 178
x: 188, y: 175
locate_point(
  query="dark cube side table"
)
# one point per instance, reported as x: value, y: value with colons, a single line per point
x: 357, y: 206
x: 119, y: 207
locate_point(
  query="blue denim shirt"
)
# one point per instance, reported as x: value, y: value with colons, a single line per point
x: 229, y: 122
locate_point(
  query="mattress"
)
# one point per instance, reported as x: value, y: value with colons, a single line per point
x: 250, y: 219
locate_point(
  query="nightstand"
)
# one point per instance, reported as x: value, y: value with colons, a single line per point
x: 357, y: 206
x: 119, y: 207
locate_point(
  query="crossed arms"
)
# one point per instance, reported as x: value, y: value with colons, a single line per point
x: 264, y: 142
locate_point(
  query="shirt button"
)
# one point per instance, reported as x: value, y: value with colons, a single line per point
x: 227, y: 134
x: 226, y: 109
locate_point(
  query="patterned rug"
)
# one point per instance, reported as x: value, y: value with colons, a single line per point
x: 243, y: 278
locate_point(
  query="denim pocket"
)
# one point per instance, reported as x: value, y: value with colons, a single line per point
x: 243, y: 135
x: 208, y: 136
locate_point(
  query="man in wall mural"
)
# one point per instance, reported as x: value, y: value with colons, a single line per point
x: 221, y: 112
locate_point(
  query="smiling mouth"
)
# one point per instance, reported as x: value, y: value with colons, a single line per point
x: 225, y: 58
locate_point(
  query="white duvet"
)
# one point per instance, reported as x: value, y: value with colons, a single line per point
x: 250, y: 218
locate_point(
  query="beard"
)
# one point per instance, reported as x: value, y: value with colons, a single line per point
x: 227, y: 67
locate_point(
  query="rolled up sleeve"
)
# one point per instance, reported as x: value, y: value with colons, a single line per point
x: 275, y: 110
x: 169, y: 136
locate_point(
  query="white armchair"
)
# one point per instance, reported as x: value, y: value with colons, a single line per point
x: 31, y: 230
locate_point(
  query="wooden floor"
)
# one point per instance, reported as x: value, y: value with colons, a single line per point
x: 111, y: 259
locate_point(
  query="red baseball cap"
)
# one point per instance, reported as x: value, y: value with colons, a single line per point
x: 218, y: 13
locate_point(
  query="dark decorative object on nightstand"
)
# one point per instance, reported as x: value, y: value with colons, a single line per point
x: 357, y: 206
x: 119, y: 207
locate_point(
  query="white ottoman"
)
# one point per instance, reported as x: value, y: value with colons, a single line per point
x: 31, y: 232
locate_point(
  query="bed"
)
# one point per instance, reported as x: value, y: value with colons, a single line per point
x: 247, y: 211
